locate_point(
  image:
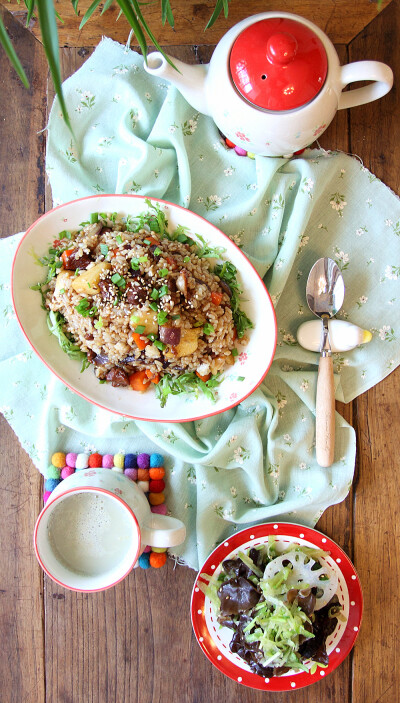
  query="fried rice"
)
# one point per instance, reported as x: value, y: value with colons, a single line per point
x: 142, y: 301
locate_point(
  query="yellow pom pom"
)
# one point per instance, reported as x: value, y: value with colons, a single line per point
x: 58, y: 460
x: 159, y: 550
x: 119, y: 461
x: 156, y: 498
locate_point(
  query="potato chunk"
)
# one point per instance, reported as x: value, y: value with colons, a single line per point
x: 188, y: 344
x: 146, y: 319
x: 63, y: 282
x: 88, y: 281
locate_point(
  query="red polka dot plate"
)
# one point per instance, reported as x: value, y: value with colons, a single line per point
x: 214, y: 639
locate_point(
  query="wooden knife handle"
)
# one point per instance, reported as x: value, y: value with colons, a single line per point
x: 325, y: 412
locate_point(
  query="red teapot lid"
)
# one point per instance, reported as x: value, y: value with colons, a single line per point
x: 278, y: 64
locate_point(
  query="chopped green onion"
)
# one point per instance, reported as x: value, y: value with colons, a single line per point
x: 240, y: 378
x: 186, y: 259
x: 163, y: 272
x: 65, y: 234
x: 146, y: 241
x: 182, y: 238
x: 162, y: 317
x: 152, y: 337
x: 159, y: 345
x: 118, y: 280
x: 153, y: 306
x: 135, y: 264
x: 154, y: 294
x: 234, y: 352
x: 163, y: 291
x: 144, y: 258
x: 94, y: 217
x: 98, y: 323
x: 118, y: 239
x: 157, y: 251
x: 135, y: 319
x: 208, y: 329
x: 84, y: 309
x: 104, y: 249
x: 140, y: 329
x: 62, y: 290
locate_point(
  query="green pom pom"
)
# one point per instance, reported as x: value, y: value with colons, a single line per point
x: 52, y: 472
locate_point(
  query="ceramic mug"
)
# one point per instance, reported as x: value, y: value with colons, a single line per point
x: 94, y: 527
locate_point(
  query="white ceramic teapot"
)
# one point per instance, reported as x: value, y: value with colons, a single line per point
x: 274, y: 83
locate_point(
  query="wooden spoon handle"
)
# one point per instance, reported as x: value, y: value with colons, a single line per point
x: 325, y: 412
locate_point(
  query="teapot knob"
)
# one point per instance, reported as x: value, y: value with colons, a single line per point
x: 281, y: 48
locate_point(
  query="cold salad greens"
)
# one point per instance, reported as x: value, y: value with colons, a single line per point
x: 281, y: 606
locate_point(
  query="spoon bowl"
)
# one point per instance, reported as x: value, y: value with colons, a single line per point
x: 325, y: 295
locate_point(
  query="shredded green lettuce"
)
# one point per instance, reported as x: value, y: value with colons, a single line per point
x: 186, y: 383
x: 55, y: 323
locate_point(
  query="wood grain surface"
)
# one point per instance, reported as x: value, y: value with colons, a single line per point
x: 134, y: 643
x: 342, y: 20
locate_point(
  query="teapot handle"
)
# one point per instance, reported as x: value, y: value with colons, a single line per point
x: 375, y: 71
x: 163, y: 531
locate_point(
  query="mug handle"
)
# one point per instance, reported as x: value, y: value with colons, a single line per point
x: 375, y: 71
x: 163, y: 531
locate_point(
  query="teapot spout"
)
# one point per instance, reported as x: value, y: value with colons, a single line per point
x: 190, y: 80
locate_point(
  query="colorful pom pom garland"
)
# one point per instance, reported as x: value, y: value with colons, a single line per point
x: 147, y: 470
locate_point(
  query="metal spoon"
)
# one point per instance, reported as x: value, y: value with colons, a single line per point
x: 325, y: 295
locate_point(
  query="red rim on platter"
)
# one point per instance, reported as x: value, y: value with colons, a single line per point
x: 214, y: 639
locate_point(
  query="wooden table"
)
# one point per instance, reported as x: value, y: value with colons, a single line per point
x: 135, y: 642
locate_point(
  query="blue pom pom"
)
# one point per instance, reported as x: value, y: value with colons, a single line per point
x: 51, y: 483
x: 144, y: 560
x: 130, y: 461
x: 156, y: 460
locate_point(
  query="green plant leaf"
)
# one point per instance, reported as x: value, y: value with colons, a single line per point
x: 11, y: 53
x: 150, y: 33
x: 166, y: 13
x: 89, y: 12
x: 74, y: 4
x: 107, y: 5
x: 30, y: 6
x: 49, y: 32
x: 132, y: 18
x: 219, y: 6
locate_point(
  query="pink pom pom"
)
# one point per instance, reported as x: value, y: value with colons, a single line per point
x: 240, y: 151
x: 70, y: 459
x: 108, y: 461
x: 146, y: 550
x: 67, y: 471
x: 159, y: 509
x: 131, y: 473
x: 46, y: 496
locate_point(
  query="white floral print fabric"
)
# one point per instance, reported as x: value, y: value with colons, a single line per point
x: 255, y: 463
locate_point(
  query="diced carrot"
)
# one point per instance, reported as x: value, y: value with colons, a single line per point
x: 216, y: 298
x: 114, y: 252
x: 203, y: 378
x: 65, y: 256
x: 235, y: 333
x: 139, y: 341
x: 138, y: 381
x: 153, y: 377
x: 171, y: 262
x: 152, y: 239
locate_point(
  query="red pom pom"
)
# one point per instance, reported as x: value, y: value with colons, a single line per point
x: 95, y: 461
x: 157, y: 486
x: 229, y: 143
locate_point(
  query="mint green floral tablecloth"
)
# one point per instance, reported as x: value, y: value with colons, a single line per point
x: 136, y: 134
